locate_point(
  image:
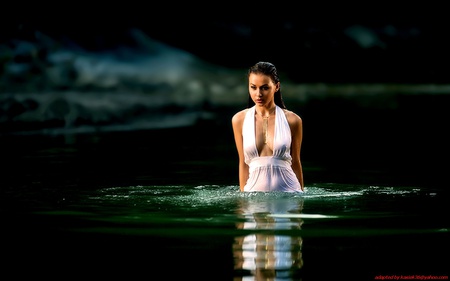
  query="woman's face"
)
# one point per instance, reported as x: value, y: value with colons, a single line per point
x: 261, y: 89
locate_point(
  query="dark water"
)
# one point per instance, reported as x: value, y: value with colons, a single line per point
x: 164, y: 205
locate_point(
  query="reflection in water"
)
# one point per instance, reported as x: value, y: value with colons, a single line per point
x: 271, y: 247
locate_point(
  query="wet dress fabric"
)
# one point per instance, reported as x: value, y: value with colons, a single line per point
x: 269, y: 173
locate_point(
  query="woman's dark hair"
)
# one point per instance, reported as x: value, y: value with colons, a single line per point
x: 270, y: 70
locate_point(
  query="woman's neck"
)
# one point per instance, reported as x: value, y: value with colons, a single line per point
x: 265, y: 112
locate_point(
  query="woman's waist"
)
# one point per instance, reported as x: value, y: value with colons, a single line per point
x: 269, y: 161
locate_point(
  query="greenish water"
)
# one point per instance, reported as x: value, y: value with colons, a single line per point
x: 152, y: 206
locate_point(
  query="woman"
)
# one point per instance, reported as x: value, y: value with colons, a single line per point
x: 268, y: 136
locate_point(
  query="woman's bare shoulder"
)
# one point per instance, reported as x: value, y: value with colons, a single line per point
x: 292, y: 117
x: 239, y: 116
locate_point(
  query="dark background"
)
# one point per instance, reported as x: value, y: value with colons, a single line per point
x: 384, y: 42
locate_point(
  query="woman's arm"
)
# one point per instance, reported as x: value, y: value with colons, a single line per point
x: 296, y: 124
x: 237, y: 122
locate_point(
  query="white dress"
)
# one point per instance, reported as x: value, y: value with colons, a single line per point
x: 269, y: 173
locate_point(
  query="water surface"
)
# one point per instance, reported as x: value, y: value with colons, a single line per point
x: 108, y: 206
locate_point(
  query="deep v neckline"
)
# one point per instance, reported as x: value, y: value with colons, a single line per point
x: 273, y: 137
